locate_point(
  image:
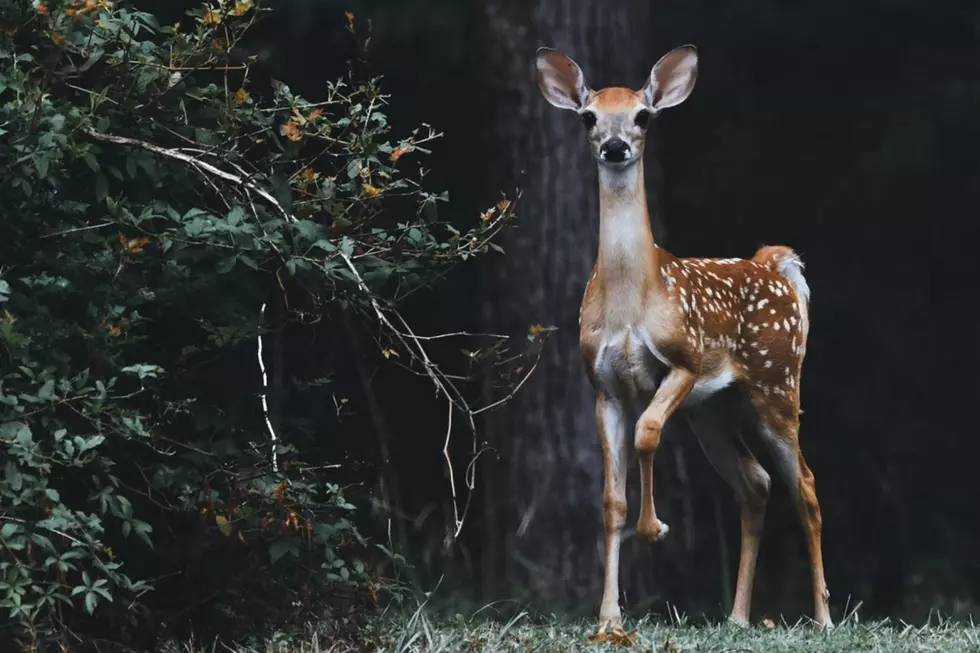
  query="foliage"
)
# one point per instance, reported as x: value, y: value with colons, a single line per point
x: 155, y: 203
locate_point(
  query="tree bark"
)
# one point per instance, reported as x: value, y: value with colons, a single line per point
x: 544, y: 490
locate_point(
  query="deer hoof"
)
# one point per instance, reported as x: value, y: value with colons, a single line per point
x: 652, y: 530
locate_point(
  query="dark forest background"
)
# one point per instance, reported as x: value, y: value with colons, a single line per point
x: 848, y: 130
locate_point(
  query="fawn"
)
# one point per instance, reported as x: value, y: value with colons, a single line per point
x: 721, y: 339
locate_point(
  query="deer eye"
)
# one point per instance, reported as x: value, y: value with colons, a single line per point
x: 642, y: 118
x: 588, y: 119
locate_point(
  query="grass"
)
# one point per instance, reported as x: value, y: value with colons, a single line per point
x: 419, y: 633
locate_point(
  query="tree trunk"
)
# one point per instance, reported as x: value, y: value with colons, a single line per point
x: 544, y: 490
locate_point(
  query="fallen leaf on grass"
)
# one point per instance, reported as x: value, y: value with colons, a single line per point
x: 616, y: 637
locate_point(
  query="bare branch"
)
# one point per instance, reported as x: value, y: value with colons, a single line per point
x: 265, y: 401
x: 77, y: 229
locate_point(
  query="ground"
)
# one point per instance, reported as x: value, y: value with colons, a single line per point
x: 418, y: 633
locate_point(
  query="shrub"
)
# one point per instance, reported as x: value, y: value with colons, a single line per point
x: 159, y: 221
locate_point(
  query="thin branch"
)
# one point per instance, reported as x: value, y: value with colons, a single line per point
x: 456, y: 334
x: 47, y: 528
x: 512, y: 392
x: 77, y: 229
x: 193, y: 161
x: 265, y: 402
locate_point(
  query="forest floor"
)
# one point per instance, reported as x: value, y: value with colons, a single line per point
x: 420, y: 634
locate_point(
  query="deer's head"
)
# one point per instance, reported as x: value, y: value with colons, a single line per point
x: 615, y: 118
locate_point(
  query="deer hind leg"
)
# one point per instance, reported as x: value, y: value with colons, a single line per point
x: 779, y: 426
x: 669, y: 396
x: 715, y: 423
x: 611, y: 424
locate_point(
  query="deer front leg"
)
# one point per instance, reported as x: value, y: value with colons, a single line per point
x: 611, y: 424
x: 671, y: 393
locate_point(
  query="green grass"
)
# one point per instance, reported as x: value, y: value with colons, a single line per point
x: 419, y: 633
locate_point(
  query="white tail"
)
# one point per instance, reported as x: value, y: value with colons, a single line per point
x: 660, y: 333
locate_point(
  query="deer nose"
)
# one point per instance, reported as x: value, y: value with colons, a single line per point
x: 614, y: 150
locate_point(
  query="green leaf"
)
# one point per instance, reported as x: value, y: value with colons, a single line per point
x: 41, y: 165
x: 91, y: 161
x: 46, y: 393
x: 84, y: 444
x: 279, y: 548
x: 101, y: 187
x: 91, y: 601
x: 8, y: 530
x: 227, y: 265
x: 143, y: 371
x: 15, y: 480
x: 236, y: 215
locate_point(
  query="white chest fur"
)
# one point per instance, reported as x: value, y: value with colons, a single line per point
x: 627, y: 362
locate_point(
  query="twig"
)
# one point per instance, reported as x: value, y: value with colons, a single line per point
x: 77, y: 229
x: 456, y: 334
x: 265, y: 402
x: 193, y: 161
x: 47, y: 528
x: 512, y: 392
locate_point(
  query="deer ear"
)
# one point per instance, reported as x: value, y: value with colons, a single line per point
x: 560, y: 79
x: 672, y: 78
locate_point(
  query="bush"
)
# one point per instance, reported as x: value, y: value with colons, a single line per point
x: 159, y: 224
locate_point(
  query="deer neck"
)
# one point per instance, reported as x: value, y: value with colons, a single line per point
x: 628, y: 259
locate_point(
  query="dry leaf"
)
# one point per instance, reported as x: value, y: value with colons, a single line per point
x: 537, y: 329
x: 668, y: 647
x: 241, y: 96
x: 350, y: 18
x: 388, y: 353
x: 316, y: 113
x: 488, y: 214
x: 401, y: 151
x: 616, y: 637
x: 114, y: 331
x: 306, y: 177
x: 211, y: 17
x: 503, y: 205
x: 241, y: 7
x: 280, y: 490
x: 42, y: 9
x: 133, y: 245
x: 292, y: 130
x: 370, y: 191
x: 223, y: 525
x: 768, y: 623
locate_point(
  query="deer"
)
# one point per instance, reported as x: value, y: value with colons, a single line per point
x: 720, y: 341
